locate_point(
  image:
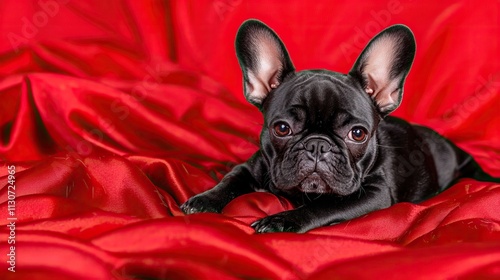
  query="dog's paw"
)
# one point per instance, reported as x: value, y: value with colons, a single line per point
x: 201, y: 203
x: 280, y: 222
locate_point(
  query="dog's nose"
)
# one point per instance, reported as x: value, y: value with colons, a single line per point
x: 317, y: 146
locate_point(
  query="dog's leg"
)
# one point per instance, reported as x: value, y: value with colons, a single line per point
x: 238, y: 182
x: 326, y: 210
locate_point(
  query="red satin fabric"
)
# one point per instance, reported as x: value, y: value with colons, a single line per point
x: 116, y: 112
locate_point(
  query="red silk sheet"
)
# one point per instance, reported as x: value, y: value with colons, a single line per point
x: 115, y: 112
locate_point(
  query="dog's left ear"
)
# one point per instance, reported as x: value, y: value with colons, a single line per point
x: 383, y: 65
x: 263, y: 59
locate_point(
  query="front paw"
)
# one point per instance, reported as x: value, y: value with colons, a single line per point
x: 281, y: 222
x: 201, y: 203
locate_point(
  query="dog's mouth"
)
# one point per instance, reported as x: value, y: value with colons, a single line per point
x: 314, y: 184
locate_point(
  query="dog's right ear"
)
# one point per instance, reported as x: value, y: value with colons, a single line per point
x: 263, y: 59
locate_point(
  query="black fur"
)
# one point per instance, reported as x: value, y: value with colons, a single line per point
x: 316, y: 163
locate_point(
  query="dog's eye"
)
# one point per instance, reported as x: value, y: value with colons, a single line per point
x: 357, y: 134
x: 282, y: 129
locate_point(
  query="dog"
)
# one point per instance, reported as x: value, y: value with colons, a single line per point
x: 327, y: 143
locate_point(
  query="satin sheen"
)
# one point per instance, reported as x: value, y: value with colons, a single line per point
x: 116, y: 112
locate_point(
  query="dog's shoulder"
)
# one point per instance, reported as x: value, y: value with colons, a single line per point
x: 393, y: 130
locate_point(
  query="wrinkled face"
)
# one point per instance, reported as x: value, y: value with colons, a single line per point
x: 318, y: 127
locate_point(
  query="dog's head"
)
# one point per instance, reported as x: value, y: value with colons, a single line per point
x: 320, y: 126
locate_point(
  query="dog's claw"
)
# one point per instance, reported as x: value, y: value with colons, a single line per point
x: 199, y: 204
x: 276, y: 223
x: 186, y: 209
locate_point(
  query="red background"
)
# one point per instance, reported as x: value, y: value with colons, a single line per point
x: 116, y: 112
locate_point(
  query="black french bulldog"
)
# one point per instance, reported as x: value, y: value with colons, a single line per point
x: 327, y: 143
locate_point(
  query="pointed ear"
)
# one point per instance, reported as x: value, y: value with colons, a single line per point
x: 263, y: 59
x: 383, y: 65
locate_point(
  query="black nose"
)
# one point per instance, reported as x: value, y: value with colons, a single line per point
x: 317, y: 146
